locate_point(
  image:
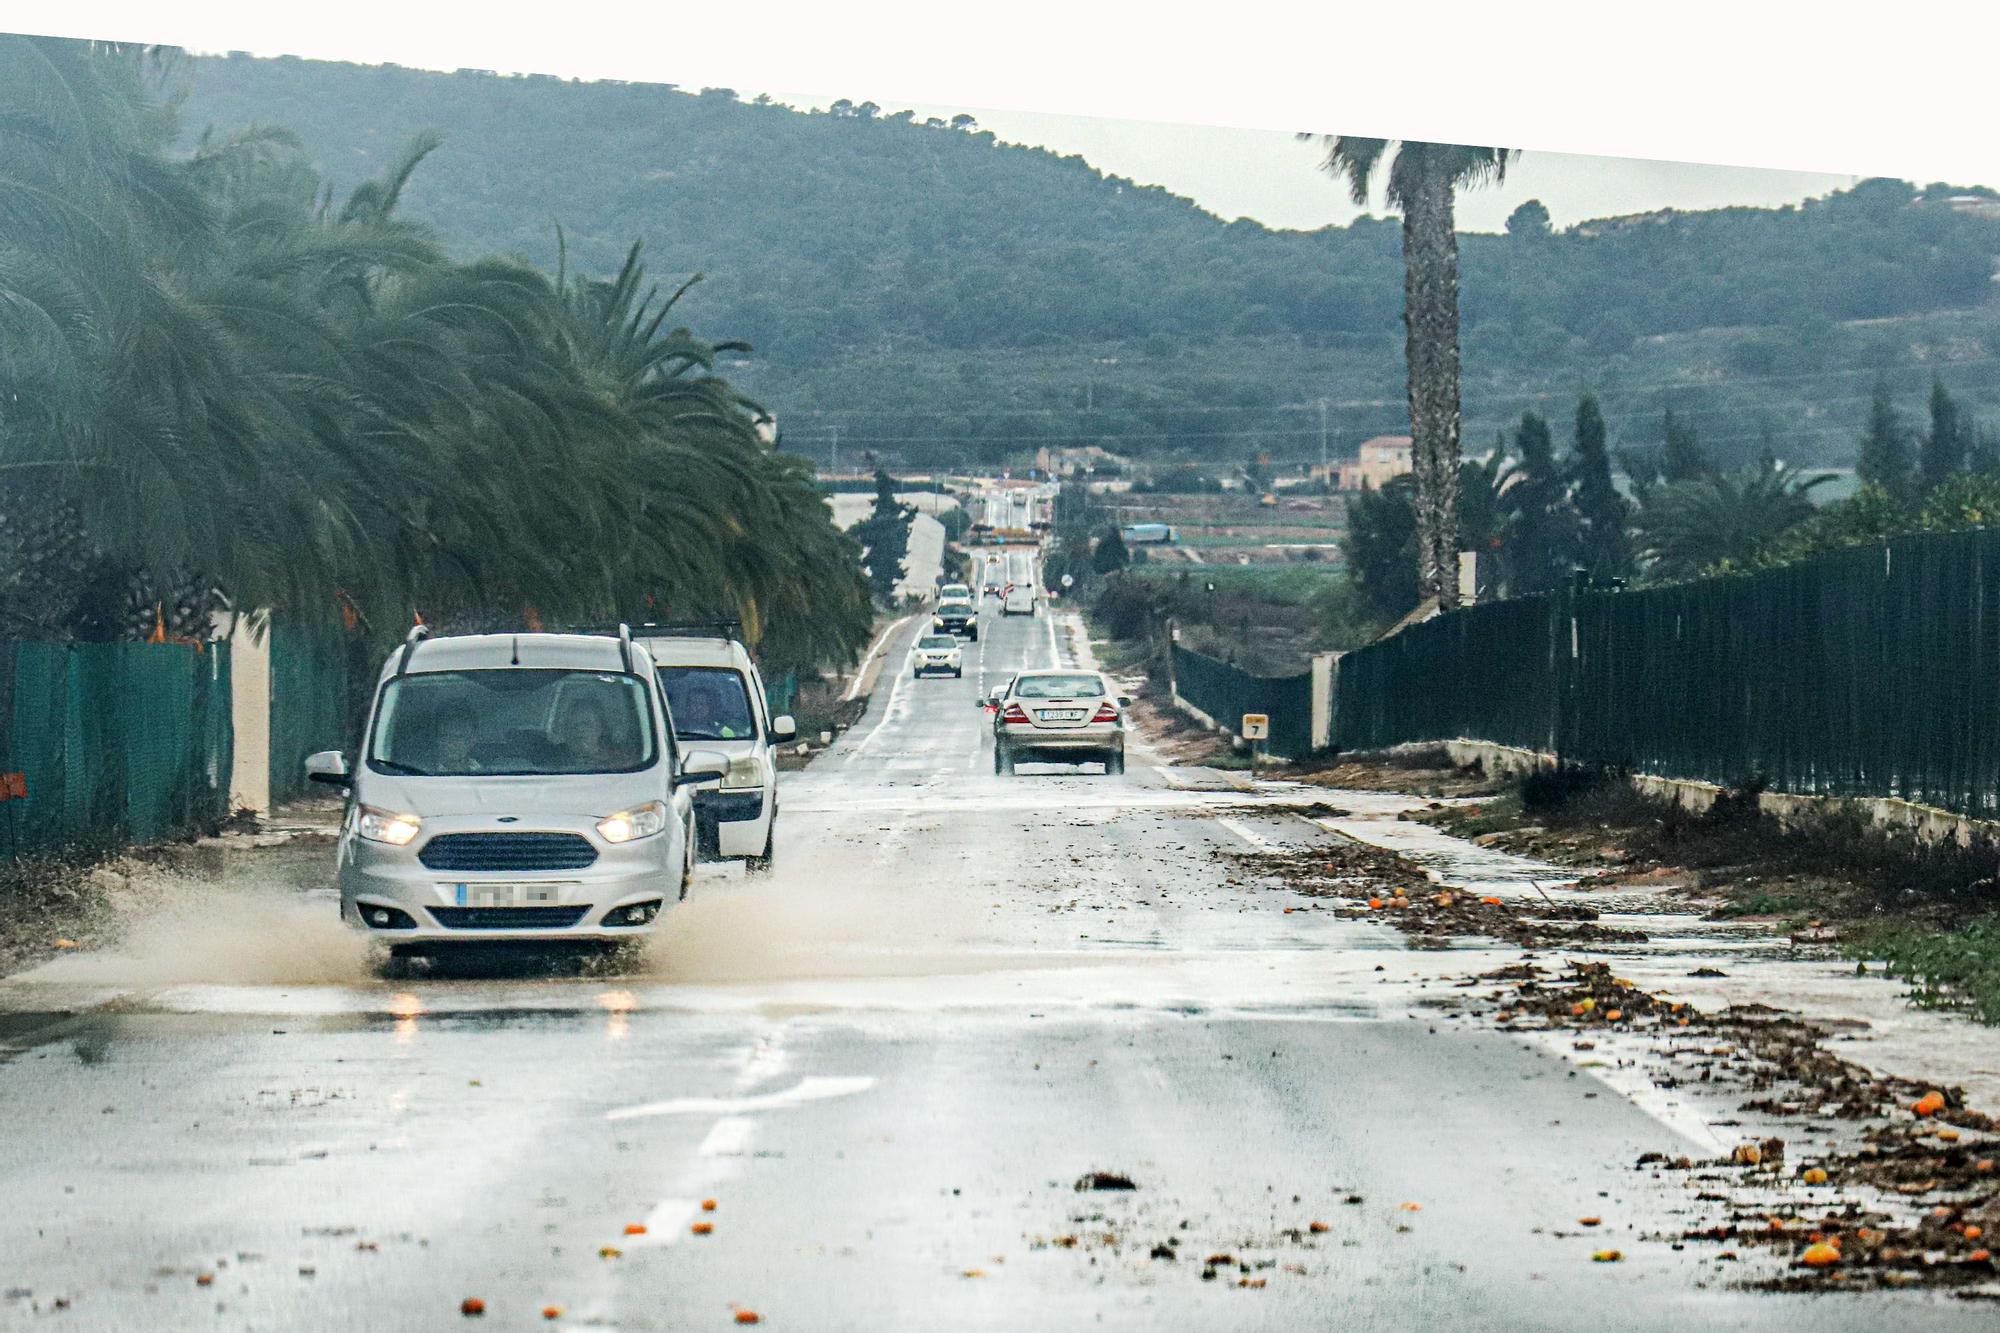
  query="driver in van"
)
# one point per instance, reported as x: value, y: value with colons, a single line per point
x: 707, y: 713
x: 453, y: 734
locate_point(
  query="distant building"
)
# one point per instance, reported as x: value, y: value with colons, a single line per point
x: 1375, y: 464
x: 1978, y: 205
x: 1068, y: 462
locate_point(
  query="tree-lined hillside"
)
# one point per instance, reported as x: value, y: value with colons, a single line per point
x: 894, y: 274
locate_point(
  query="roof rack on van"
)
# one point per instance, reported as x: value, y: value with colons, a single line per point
x: 682, y: 629
x: 418, y: 633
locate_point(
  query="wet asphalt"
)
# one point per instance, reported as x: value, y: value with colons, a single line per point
x: 888, y: 1066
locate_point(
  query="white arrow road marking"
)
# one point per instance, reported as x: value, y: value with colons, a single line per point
x: 805, y: 1090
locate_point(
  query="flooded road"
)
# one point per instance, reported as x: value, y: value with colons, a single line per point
x: 892, y: 1067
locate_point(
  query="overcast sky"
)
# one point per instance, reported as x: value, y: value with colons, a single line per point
x: 1272, y: 177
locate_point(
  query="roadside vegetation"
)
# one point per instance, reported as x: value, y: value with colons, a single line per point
x: 1922, y: 909
x: 1540, y: 515
x: 235, y: 386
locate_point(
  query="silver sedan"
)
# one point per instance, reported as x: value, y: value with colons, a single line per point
x: 1060, y: 717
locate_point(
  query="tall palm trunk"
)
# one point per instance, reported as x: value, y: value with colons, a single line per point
x: 1430, y: 320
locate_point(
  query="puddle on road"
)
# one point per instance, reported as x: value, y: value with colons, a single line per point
x: 171, y: 929
x: 269, y: 918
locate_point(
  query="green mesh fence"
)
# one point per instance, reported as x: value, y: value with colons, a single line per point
x: 116, y: 742
x: 781, y: 693
x: 1871, y: 672
x: 1226, y: 693
x: 310, y: 702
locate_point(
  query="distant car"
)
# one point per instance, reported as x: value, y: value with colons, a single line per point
x: 1019, y: 601
x: 937, y: 654
x: 992, y: 590
x: 1059, y: 717
x: 957, y: 615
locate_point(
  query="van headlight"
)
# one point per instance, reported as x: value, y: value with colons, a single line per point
x: 744, y: 771
x: 378, y: 825
x: 641, y: 821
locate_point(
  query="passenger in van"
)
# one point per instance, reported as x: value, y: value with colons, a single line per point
x: 594, y: 740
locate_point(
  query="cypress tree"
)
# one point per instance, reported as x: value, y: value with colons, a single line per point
x: 1885, y: 449
x: 1943, y: 454
x: 1541, y: 526
x: 1683, y: 459
x: 1599, y: 507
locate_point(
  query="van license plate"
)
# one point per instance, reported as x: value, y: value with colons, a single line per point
x: 506, y: 895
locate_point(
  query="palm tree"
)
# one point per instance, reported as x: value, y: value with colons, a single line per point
x: 1422, y: 183
x: 1719, y: 521
x: 215, y: 376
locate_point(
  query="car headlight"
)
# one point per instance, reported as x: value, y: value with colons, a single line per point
x: 641, y: 821
x: 378, y: 825
x: 744, y: 771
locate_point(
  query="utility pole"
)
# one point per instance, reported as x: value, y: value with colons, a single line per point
x: 1322, y: 434
x: 834, y: 466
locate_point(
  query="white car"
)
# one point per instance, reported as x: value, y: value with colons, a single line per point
x: 939, y: 654
x: 717, y: 700
x: 515, y: 787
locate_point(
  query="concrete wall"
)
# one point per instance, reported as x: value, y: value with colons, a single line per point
x: 250, y: 716
x: 1927, y: 824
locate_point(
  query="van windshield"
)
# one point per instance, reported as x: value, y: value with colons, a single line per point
x: 512, y: 722
x: 709, y: 703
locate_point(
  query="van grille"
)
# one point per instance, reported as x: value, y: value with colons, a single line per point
x: 508, y: 918
x: 507, y: 851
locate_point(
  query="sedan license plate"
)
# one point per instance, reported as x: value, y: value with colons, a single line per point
x: 1060, y: 714
x: 506, y: 895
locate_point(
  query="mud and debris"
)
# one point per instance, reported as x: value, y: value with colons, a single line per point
x: 1371, y: 882
x: 1885, y: 1182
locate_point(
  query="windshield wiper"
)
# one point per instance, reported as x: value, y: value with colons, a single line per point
x: 390, y: 765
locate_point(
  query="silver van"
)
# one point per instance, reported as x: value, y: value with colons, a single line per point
x: 717, y: 699
x: 516, y: 787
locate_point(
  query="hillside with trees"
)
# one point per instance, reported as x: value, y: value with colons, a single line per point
x: 940, y: 296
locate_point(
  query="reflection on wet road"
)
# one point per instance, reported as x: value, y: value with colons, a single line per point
x: 887, y: 1066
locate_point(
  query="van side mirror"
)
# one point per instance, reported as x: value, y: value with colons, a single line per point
x: 701, y: 768
x: 330, y: 767
x: 783, y: 728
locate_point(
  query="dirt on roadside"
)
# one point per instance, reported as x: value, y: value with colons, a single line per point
x: 1887, y: 1181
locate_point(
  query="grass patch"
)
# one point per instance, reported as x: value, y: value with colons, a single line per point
x: 1760, y: 901
x: 1956, y: 968
x: 1293, y: 584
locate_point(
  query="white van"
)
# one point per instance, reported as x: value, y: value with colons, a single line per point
x: 717, y: 700
x: 516, y: 787
x: 1019, y: 601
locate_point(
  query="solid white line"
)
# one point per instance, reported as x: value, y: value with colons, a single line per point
x: 889, y: 715
x: 861, y: 672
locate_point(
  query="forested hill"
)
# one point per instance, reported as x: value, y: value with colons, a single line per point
x: 843, y: 238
